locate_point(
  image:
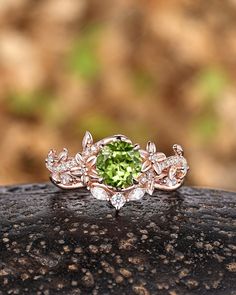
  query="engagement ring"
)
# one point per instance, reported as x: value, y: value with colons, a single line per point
x: 116, y: 170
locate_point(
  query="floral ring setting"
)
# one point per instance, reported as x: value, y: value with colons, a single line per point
x: 116, y: 170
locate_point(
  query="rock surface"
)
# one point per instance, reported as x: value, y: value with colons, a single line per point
x: 65, y: 242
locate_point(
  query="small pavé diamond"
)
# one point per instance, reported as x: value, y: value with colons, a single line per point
x: 171, y: 182
x: 65, y: 178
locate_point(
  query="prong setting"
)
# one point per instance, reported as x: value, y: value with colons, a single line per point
x: 156, y: 170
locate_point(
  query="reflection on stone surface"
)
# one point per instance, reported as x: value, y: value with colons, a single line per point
x: 179, y: 242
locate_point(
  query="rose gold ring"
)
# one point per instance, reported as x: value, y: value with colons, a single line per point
x: 116, y: 170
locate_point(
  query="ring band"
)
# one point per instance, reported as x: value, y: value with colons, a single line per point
x: 116, y: 170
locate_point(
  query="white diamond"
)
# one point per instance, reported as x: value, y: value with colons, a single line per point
x: 62, y: 167
x: 143, y: 179
x: 93, y: 148
x: 118, y: 200
x: 171, y: 182
x: 68, y: 165
x: 50, y: 159
x: 164, y: 165
x: 54, y: 170
x: 184, y: 168
x: 99, y: 193
x: 50, y: 162
x: 136, y: 194
x: 65, y: 178
x: 172, y: 172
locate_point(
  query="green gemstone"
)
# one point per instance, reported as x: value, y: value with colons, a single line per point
x: 119, y: 164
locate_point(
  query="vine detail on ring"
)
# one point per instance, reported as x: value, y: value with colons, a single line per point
x: 116, y: 170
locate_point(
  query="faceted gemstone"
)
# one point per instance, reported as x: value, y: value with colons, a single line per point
x: 118, y: 164
x: 136, y: 194
x: 118, y: 200
x: 99, y: 193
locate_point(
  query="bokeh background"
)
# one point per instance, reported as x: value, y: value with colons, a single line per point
x: 163, y: 70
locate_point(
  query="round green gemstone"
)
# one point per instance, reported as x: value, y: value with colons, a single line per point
x: 118, y: 164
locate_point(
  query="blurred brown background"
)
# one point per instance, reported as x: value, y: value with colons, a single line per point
x: 159, y: 70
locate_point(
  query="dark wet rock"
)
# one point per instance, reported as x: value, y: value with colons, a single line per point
x: 65, y: 242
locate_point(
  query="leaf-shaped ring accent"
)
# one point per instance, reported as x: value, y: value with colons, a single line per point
x: 154, y: 169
